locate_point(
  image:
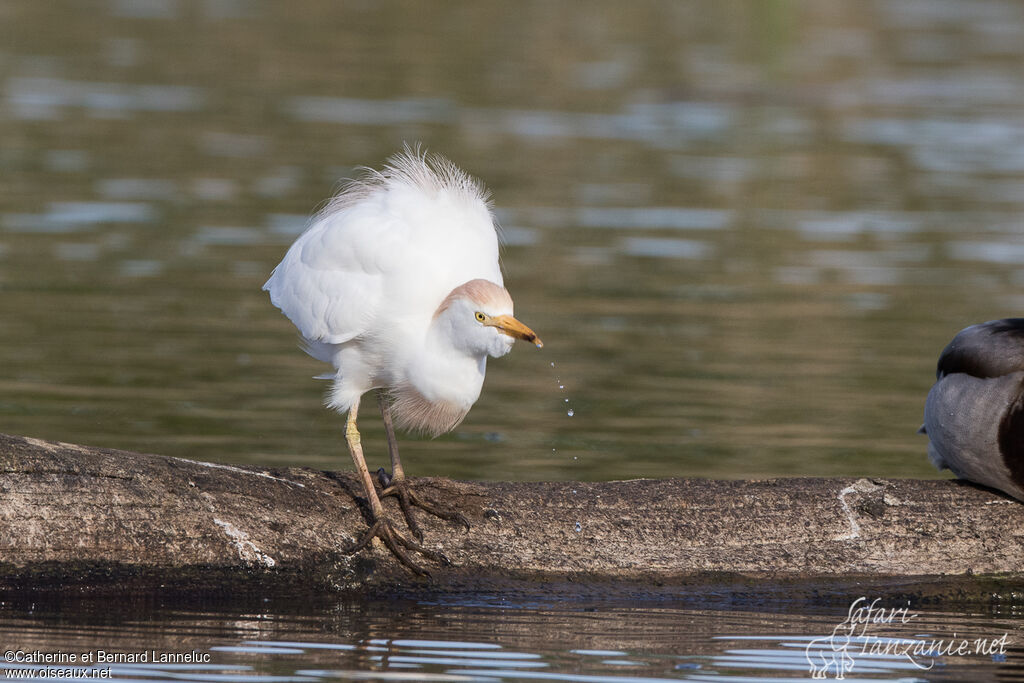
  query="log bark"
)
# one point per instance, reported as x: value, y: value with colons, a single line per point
x: 76, y: 516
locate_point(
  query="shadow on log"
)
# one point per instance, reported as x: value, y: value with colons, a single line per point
x: 75, y: 516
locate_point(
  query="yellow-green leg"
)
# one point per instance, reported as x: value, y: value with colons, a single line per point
x: 396, y: 484
x: 380, y: 526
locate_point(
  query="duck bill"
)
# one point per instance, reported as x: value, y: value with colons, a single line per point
x: 514, y: 328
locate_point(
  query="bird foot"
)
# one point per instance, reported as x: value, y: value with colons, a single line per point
x: 398, y: 545
x: 407, y: 498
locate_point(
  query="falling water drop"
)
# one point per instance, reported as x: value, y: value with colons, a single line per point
x: 567, y: 404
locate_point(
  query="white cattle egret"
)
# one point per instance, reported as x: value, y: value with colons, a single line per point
x: 974, y: 414
x: 397, y: 285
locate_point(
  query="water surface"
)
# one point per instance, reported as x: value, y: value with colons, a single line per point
x: 744, y: 230
x: 480, y: 637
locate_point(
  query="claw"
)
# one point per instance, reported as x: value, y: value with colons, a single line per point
x: 407, y: 498
x: 397, y: 544
x: 381, y: 527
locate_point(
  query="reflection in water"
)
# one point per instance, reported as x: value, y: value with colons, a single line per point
x: 663, y: 247
x: 63, y: 217
x: 578, y: 642
x: 47, y: 98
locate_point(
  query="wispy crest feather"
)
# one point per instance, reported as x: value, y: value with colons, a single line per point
x: 412, y: 167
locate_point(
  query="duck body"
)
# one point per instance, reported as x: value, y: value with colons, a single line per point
x: 974, y: 414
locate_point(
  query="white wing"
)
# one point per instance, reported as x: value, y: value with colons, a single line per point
x: 391, y: 245
x: 322, y: 284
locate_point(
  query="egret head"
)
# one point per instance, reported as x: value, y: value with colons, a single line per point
x: 477, y: 317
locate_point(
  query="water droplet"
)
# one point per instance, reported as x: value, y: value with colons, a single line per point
x: 571, y: 412
x: 579, y: 527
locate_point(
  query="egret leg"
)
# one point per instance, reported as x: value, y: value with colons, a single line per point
x: 396, y: 484
x: 381, y: 527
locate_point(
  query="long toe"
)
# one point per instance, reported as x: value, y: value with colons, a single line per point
x: 408, y: 498
x: 399, y: 545
x: 449, y: 515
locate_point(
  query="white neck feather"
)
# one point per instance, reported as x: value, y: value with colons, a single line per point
x: 442, y: 384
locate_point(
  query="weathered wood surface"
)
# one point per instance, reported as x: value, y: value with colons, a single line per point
x: 79, y: 516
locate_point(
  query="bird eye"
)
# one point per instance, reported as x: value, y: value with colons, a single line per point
x: 480, y: 317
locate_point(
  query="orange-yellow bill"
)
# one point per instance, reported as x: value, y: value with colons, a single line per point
x: 514, y: 328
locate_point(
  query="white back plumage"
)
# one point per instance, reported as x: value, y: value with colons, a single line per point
x: 389, y: 248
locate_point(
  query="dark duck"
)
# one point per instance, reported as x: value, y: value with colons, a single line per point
x: 974, y: 415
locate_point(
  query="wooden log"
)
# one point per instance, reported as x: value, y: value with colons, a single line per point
x: 76, y: 516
